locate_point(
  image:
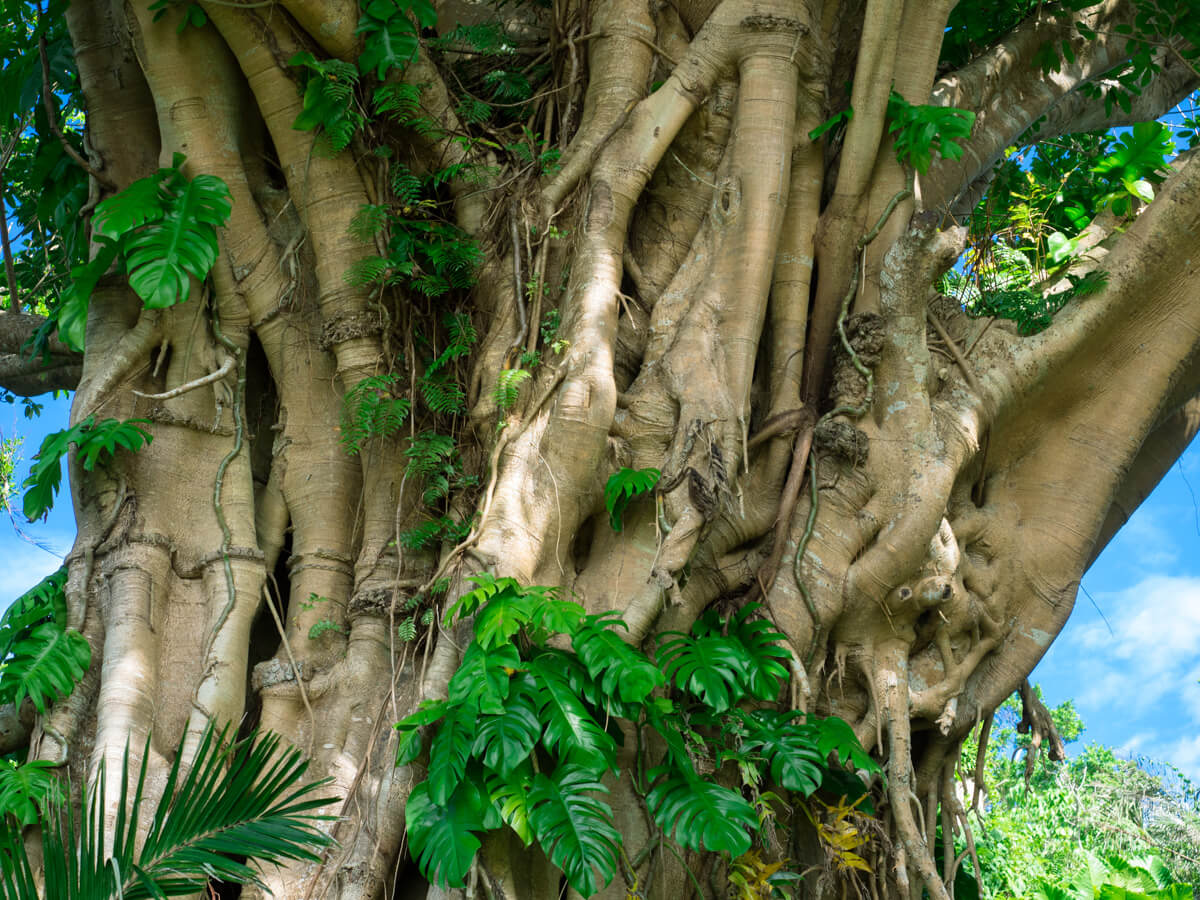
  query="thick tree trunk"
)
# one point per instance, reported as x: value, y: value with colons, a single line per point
x: 722, y: 282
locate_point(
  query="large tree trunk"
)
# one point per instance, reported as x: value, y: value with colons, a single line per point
x: 918, y: 534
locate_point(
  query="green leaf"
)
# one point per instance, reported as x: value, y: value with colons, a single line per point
x: 499, y: 620
x: 442, y: 833
x: 710, y: 667
x: 791, y: 750
x: 511, y: 798
x: 409, y: 747
x: 575, y: 827
x: 835, y: 736
x: 482, y: 680
x: 570, y: 731
x: 28, y: 789
x: 94, y: 441
x: 390, y: 38
x: 621, y: 670
x: 505, y: 740
x: 1141, y: 153
x: 700, y: 814
x: 182, y: 244
x: 45, y: 665
x: 165, y: 225
x: 448, y: 754
x: 487, y: 586
x: 139, y: 204
x: 837, y: 120
x: 622, y: 487
x: 762, y: 671
x: 549, y: 615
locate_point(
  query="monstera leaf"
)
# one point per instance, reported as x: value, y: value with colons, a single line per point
x: 574, y: 827
x: 702, y: 815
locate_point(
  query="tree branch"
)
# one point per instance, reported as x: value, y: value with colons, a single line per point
x: 52, y: 120
x: 28, y: 376
x: 1009, y: 71
x: 1077, y: 112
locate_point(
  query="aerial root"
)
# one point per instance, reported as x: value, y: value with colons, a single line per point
x: 912, y: 846
x: 1039, y: 725
x: 954, y: 817
x: 981, y: 762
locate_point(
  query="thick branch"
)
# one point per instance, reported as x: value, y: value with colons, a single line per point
x: 1077, y: 112
x: 1160, y: 451
x: 1008, y: 90
x: 27, y: 376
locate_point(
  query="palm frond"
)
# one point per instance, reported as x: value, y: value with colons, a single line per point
x: 239, y: 800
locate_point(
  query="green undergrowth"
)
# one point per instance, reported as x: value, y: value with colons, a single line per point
x: 530, y: 729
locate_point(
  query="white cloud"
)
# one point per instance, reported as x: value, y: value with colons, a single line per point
x: 1149, y: 658
x: 1184, y: 754
x: 23, y: 565
x: 1133, y: 746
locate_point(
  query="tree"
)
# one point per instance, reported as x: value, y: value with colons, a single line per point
x: 385, y: 338
x: 1045, y: 825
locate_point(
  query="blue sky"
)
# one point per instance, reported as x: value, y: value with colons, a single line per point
x: 1136, y: 687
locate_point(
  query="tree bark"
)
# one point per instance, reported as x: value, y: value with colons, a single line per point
x: 721, y: 284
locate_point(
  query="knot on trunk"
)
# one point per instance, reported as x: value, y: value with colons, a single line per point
x: 842, y: 440
x: 865, y: 332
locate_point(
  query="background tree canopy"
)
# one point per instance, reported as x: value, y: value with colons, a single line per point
x: 684, y: 422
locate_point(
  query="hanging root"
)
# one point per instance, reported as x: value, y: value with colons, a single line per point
x: 980, y: 772
x: 912, y: 846
x: 1038, y: 724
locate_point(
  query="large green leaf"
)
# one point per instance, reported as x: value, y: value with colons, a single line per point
x: 45, y: 665
x: 622, y: 488
x: 790, y: 749
x: 28, y: 788
x: 442, y: 832
x: 1141, y: 153
x: 390, y: 38
x: 481, y: 681
x: 711, y: 667
x: 570, y: 730
x: 498, y: 621
x: 160, y: 257
x: 702, y: 815
x: 835, y: 736
x: 43, y: 602
x: 486, y: 586
x: 505, y: 740
x: 574, y: 827
x: 448, y: 754
x: 138, y: 204
x: 621, y: 670
x: 510, y: 797
x: 762, y: 671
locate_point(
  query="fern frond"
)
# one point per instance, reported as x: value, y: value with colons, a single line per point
x: 366, y: 271
x: 400, y: 101
x: 368, y: 222
x: 371, y: 410
x: 508, y: 387
x: 405, y: 185
x: 442, y: 394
